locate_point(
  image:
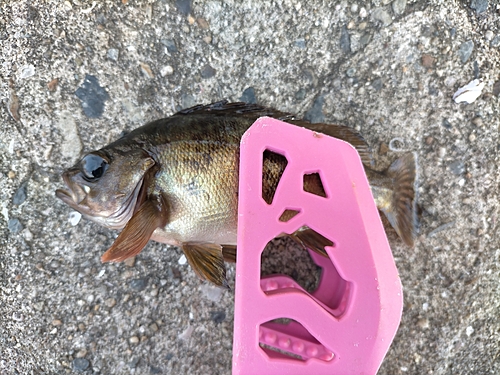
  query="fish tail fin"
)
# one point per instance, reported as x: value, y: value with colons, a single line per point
x: 403, y: 212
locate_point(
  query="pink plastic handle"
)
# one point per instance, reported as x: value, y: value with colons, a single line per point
x: 347, y: 325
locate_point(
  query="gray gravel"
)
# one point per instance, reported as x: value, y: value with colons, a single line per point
x: 388, y: 69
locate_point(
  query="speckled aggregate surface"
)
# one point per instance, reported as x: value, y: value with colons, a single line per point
x: 75, y: 74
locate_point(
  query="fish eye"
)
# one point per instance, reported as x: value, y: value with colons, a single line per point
x: 93, y: 166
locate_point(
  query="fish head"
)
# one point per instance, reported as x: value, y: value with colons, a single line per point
x: 107, y: 186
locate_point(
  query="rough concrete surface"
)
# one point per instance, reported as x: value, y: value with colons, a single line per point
x: 75, y: 74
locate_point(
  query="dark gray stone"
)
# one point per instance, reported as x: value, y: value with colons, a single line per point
x: 457, y: 167
x: 138, y: 284
x: 447, y: 124
x: 207, y: 72
x: 248, y: 96
x: 218, y: 316
x: 350, y: 72
x: 495, y: 42
x: 345, y: 40
x: 315, y: 114
x: 92, y: 96
x: 170, y: 44
x: 14, y: 225
x: 183, y: 6
x: 377, y: 84
x: 187, y: 101
x: 465, y: 51
x: 80, y: 364
x: 479, y: 6
x: 300, y: 95
x: 21, y: 194
x: 134, y: 362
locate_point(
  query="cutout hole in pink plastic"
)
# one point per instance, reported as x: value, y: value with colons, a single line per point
x: 288, y: 215
x: 284, y: 257
x: 314, y: 184
x: 288, y: 339
x: 273, y: 167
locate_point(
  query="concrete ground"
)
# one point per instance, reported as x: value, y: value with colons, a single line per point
x: 75, y: 74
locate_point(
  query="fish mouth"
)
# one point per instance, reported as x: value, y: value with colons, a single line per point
x: 74, y: 193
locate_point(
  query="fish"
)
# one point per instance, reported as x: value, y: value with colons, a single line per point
x: 175, y: 181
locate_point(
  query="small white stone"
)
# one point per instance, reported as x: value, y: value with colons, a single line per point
x: 182, y: 260
x: 469, y: 330
x: 186, y: 335
x: 363, y: 13
x: 354, y: 8
x: 469, y: 93
x: 166, y: 71
x: 74, y: 218
x: 211, y: 292
x: 27, y: 71
x: 489, y: 35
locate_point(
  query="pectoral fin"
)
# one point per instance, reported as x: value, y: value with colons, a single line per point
x: 207, y: 261
x: 136, y: 234
x: 311, y: 239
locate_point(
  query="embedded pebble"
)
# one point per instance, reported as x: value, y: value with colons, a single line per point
x: 465, y: 51
x: 14, y: 225
x: 301, y: 43
x: 130, y: 262
x: 496, y: 41
x: 479, y: 6
x: 80, y: 364
x: 381, y: 15
x: 186, y: 334
x: 248, y: 96
x: 377, y: 84
x: 113, y: 54
x: 71, y: 146
x: 218, y: 316
x: 92, y: 96
x: 134, y: 340
x: 170, y: 44
x: 187, y: 101
x: 21, y: 194
x: 211, y: 292
x: 183, y: 6
x: 457, y: 167
x: 110, y: 302
x: 27, y: 71
x: 398, y: 7
x: 138, y: 284
x: 345, y: 40
x: 146, y: 70
x: 81, y: 353
x: 182, y: 260
x: 478, y: 121
x: 470, y: 92
x: 315, y: 114
x: 166, y: 71
x: 74, y: 218
x: 207, y: 72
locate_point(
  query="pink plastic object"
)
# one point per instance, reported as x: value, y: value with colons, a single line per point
x: 347, y: 325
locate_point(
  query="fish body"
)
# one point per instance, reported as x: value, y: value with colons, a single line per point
x: 175, y: 181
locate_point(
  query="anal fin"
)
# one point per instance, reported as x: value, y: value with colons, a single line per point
x: 311, y: 239
x: 207, y: 261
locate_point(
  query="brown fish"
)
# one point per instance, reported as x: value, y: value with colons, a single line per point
x: 175, y: 181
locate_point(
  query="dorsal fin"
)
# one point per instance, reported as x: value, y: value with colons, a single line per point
x: 254, y: 111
